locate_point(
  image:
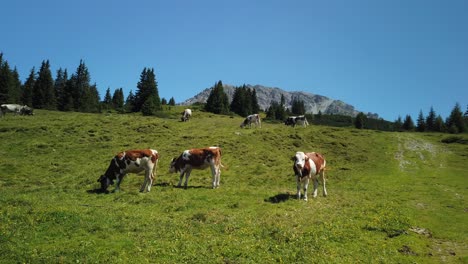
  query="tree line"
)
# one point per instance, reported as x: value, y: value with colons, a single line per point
x: 76, y: 92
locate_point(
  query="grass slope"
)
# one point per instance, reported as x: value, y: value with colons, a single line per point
x: 393, y: 197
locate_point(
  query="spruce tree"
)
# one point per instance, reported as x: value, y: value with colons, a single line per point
x: 147, y: 88
x: 107, y: 102
x: 397, y: 125
x: 60, y: 89
x: 430, y: 120
x: 297, y: 107
x: 5, y: 75
x: 359, y: 122
x: 27, y: 95
x: 408, y: 124
x: 44, y: 91
x: 14, y: 91
x: 79, y: 89
x: 130, y: 102
x: 217, y: 102
x: 172, y: 101
x: 439, y: 125
x: 455, y: 122
x: 421, y: 125
x: 254, y: 102
x: 118, y: 100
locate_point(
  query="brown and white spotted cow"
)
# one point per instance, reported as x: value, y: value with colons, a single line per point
x: 200, y: 158
x: 131, y: 161
x: 309, y: 166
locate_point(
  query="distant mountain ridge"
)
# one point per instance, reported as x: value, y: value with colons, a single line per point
x: 265, y: 95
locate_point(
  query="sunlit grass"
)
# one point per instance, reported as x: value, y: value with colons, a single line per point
x: 51, y: 212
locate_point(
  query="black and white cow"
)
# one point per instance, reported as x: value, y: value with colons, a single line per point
x: 255, y: 118
x: 186, y: 114
x: 307, y: 166
x: 296, y: 120
x: 131, y: 161
x: 15, y: 108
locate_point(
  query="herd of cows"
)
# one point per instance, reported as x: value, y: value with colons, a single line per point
x: 307, y: 166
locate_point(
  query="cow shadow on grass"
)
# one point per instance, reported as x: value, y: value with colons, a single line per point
x: 281, y: 197
x: 161, y: 184
x: 97, y: 191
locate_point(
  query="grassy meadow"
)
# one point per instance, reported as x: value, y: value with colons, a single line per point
x: 392, y: 197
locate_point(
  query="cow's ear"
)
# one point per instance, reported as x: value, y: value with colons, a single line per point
x: 293, y: 158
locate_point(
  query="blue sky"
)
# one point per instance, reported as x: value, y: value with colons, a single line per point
x: 391, y: 57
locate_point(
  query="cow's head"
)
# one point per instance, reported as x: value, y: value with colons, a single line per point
x: 173, y: 167
x: 105, y: 182
x: 299, y: 160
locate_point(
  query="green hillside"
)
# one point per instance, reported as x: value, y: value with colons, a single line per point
x: 392, y: 197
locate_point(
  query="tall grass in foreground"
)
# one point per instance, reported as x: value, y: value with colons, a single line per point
x: 393, y: 197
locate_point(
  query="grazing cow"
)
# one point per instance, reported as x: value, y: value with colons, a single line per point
x: 201, y: 158
x: 255, y: 118
x: 12, y: 108
x: 131, y: 161
x: 186, y: 114
x: 296, y: 120
x: 26, y: 110
x: 307, y: 166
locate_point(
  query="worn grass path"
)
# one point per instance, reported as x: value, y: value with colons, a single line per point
x: 393, y: 197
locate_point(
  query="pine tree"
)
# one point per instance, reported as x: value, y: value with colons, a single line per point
x: 359, y: 122
x: 297, y: 107
x: 107, y: 102
x: 217, y: 102
x: 172, y: 101
x: 27, y: 95
x: 254, y: 102
x: 79, y: 88
x: 5, y: 75
x: 163, y: 101
x: 130, y: 102
x: 397, y: 125
x: 421, y: 125
x: 430, y: 120
x: 14, y: 91
x: 455, y: 123
x: 60, y: 88
x: 408, y: 124
x: 44, y: 91
x: 118, y: 100
x: 239, y: 103
x: 147, y: 88
x: 439, y: 125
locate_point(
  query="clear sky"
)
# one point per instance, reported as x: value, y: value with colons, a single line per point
x: 391, y: 57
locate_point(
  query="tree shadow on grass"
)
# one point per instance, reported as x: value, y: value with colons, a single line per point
x: 279, y: 198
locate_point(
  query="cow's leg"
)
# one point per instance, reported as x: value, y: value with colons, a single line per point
x: 187, y: 175
x: 214, y: 175
x: 218, y: 169
x: 181, y: 177
x: 298, y: 180
x: 148, y: 175
x: 118, y: 180
x: 306, y: 186
x: 322, y: 175
x: 315, y: 185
